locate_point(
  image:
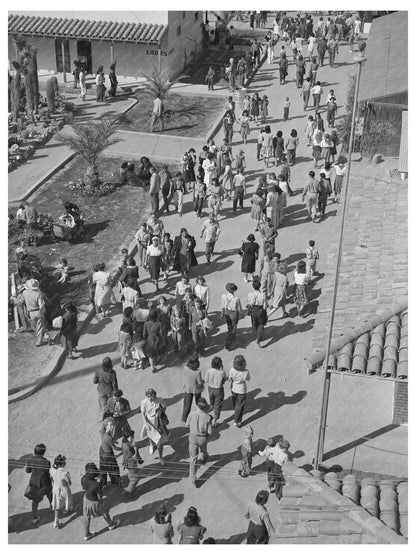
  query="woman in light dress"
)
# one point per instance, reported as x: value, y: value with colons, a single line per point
x: 227, y: 181
x: 61, y: 489
x: 244, y: 121
x: 154, y: 427
x: 301, y: 281
x: 257, y: 204
x: 104, y: 295
x: 281, y: 284
x: 272, y: 205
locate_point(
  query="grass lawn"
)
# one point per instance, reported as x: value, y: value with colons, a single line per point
x: 193, y: 116
x: 111, y: 223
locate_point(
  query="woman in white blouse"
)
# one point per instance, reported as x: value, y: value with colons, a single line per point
x: 301, y: 281
x: 201, y: 290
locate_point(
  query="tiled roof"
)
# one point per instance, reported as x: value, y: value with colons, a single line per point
x: 404, y: 145
x: 341, y: 511
x: 86, y: 29
x: 385, y: 71
x: 374, y: 266
x: 381, y: 351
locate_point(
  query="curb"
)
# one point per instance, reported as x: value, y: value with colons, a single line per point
x: 41, y: 181
x: 55, y: 365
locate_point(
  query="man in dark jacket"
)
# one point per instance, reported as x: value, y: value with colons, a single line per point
x: 40, y: 481
x: 183, y: 252
x: 106, y: 378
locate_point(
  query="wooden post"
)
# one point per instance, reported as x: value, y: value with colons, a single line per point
x: 63, y: 59
x: 111, y: 52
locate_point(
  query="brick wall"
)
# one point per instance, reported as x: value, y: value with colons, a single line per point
x: 400, y: 403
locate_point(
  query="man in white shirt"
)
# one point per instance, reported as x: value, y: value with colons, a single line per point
x: 154, y: 190
x: 239, y: 189
x: 316, y: 95
x: 157, y: 114
x: 211, y: 229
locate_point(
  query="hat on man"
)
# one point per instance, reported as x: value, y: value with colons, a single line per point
x: 118, y: 393
x: 231, y: 287
x: 32, y: 284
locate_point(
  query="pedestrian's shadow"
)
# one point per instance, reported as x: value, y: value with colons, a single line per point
x: 221, y: 460
x: 16, y: 464
x: 275, y: 333
x: 234, y: 539
x: 269, y: 403
x: 96, y: 350
x: 147, y: 511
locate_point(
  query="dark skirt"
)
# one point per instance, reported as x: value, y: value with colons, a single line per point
x: 257, y: 534
x: 69, y: 341
x: 108, y: 465
x: 152, y: 346
x: 92, y: 509
x: 316, y: 151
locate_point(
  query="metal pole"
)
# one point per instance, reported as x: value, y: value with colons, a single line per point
x: 63, y: 59
x: 327, y: 375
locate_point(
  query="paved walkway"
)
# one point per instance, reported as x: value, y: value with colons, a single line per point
x: 282, y: 399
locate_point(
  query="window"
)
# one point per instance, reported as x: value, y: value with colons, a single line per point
x: 196, y: 16
x: 178, y: 30
x: 183, y: 15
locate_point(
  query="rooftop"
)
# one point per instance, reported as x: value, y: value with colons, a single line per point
x: 385, y: 72
x: 328, y: 509
x: 111, y: 29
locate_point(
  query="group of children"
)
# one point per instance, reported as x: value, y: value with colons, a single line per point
x: 276, y: 454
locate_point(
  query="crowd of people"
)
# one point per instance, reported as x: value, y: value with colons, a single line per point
x: 154, y: 329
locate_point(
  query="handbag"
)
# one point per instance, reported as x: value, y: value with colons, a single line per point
x: 57, y: 322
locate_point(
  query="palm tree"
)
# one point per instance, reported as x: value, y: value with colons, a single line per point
x: 159, y: 82
x: 89, y: 141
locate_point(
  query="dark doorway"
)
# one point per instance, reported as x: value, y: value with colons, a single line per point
x: 58, y: 53
x: 84, y: 54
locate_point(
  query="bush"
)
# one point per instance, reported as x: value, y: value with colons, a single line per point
x: 81, y: 188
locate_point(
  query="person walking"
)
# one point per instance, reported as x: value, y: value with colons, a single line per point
x: 165, y: 186
x: 113, y: 80
x: 131, y: 462
x: 340, y: 171
x: 104, y: 295
x: 92, y: 505
x: 68, y: 332
x: 301, y: 280
x: 257, y: 205
x: 230, y: 311
x: 291, y: 145
x: 331, y: 110
x: 154, y: 260
x: 108, y: 462
x: 310, y: 195
x: 142, y: 240
x: 161, y: 526
x: 35, y: 306
x: 82, y: 78
x: 106, y: 380
x: 191, y: 531
x: 199, y: 423
x: 193, y: 385
x: 153, y: 411
x: 239, y: 190
x: 244, y: 121
x: 313, y: 70
x: 99, y: 83
x: 183, y: 254
x: 300, y: 71
x: 215, y: 379
x: 40, y: 483
x: 200, y: 193
x: 209, y: 78
x: 256, y: 305
x: 154, y: 190
x: 211, y: 229
x: 118, y: 408
x: 197, y: 322
x: 283, y: 65
x: 305, y: 92
x: 260, y: 527
x: 249, y: 252
x: 61, y: 489
x: 316, y: 95
x: 239, y: 376
x: 157, y: 114
x: 152, y: 335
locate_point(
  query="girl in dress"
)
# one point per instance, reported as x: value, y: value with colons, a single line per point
x: 301, y: 280
x: 264, y: 108
x: 255, y: 107
x: 154, y: 258
x: 103, y: 292
x: 244, y: 121
x: 291, y: 145
x: 153, y: 411
x: 249, y: 252
x: 326, y: 146
x: 178, y: 331
x: 281, y: 285
x: 142, y: 239
x: 278, y: 147
x: 152, y: 335
x: 257, y: 205
x: 227, y: 180
x: 125, y: 342
x: 61, y: 489
x: 267, y: 148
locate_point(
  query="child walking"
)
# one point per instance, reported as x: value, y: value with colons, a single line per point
x: 286, y: 107
x: 246, y: 452
x: 312, y: 255
x: 264, y: 108
x: 209, y: 78
x: 270, y: 452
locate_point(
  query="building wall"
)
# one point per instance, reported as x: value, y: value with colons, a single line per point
x: 400, y: 414
x: 132, y: 59
x: 182, y: 48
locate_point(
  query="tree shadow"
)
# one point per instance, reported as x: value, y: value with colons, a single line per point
x: 92, y: 230
x: 15, y: 464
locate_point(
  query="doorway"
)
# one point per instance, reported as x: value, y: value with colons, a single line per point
x: 58, y: 54
x: 84, y: 54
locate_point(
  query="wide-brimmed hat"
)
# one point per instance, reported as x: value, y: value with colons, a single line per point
x: 231, y: 287
x: 118, y: 393
x: 32, y: 284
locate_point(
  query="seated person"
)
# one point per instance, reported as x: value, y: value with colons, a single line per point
x: 73, y: 210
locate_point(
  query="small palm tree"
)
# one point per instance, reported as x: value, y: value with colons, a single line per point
x: 89, y: 141
x: 159, y: 82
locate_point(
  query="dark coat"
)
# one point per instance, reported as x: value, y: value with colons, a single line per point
x: 177, y: 249
x: 40, y: 483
